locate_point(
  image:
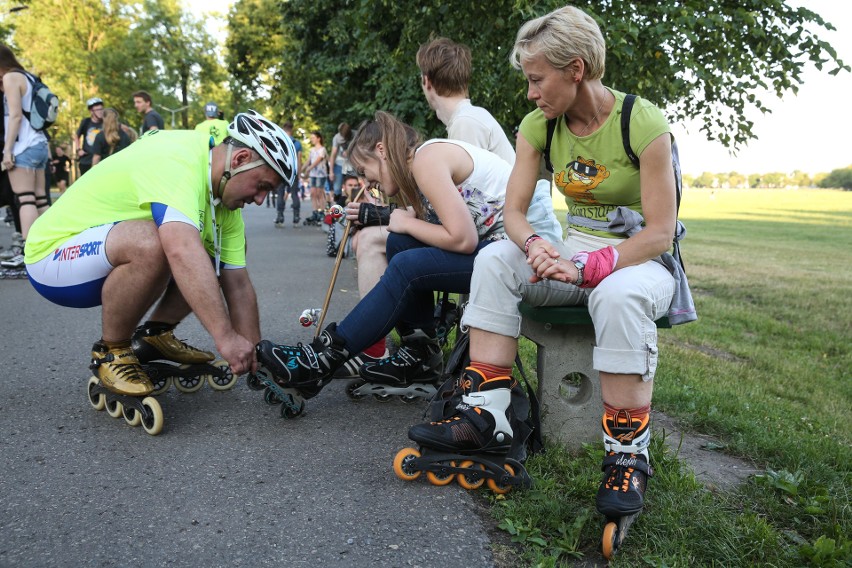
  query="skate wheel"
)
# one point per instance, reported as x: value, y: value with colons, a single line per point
x: 226, y: 381
x: 502, y: 489
x: 114, y: 408
x: 383, y: 398
x: 610, y: 534
x: 254, y: 383
x: 189, y: 384
x: 352, y: 386
x: 290, y: 413
x: 161, y: 385
x: 98, y: 401
x: 132, y: 417
x: 409, y: 398
x: 441, y: 478
x: 153, y: 420
x: 475, y: 478
x: 403, y: 466
x: 270, y: 397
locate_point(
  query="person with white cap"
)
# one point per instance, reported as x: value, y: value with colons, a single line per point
x: 88, y: 130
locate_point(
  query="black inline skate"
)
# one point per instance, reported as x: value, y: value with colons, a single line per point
x: 291, y: 374
x: 315, y: 220
x: 621, y: 495
x: 279, y: 221
x: 411, y: 373
x: 470, y: 447
x: 121, y: 386
x: 167, y: 360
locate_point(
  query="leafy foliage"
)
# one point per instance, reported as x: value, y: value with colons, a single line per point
x: 702, y: 60
x: 841, y: 178
x: 110, y: 49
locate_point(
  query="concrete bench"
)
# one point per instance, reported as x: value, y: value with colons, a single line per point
x: 569, y: 389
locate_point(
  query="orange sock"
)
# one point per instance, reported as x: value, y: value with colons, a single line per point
x: 490, y: 371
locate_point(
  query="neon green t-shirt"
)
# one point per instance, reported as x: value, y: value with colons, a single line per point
x: 593, y: 172
x: 168, y: 167
x: 216, y: 128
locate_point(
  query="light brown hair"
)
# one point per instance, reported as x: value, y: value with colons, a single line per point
x: 447, y: 65
x: 399, y: 140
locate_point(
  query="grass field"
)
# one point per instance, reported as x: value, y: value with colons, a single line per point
x: 766, y: 369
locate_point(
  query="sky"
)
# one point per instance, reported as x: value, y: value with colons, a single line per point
x: 809, y: 131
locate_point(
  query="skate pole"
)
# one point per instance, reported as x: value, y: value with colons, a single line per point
x: 336, y: 269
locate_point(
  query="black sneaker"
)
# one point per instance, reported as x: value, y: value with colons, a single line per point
x: 307, y: 368
x: 418, y: 360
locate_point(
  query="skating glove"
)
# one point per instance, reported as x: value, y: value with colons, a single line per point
x: 370, y: 215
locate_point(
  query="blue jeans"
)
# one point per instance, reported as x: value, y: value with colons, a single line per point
x: 404, y: 295
x: 338, y: 179
x: 33, y: 158
x: 297, y: 202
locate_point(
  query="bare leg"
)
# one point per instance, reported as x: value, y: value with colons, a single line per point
x: 372, y: 257
x: 140, y: 275
x: 492, y: 348
x: 625, y: 391
x: 172, y: 307
x: 25, y: 180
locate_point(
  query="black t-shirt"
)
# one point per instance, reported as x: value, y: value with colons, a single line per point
x: 102, y: 149
x: 62, y: 165
x: 88, y: 130
x: 152, y: 118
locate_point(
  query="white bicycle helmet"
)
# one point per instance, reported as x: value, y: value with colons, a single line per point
x: 267, y: 139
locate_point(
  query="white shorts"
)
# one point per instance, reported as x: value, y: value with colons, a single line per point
x: 74, y: 274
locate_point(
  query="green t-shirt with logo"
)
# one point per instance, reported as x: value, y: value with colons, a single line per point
x: 216, y: 128
x: 169, y: 167
x: 593, y: 172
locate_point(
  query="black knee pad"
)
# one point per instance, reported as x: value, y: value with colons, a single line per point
x: 19, y: 203
x: 42, y: 201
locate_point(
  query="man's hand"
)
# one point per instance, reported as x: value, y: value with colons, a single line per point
x: 239, y: 353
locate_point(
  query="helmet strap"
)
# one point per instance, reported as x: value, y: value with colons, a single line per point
x: 228, y: 174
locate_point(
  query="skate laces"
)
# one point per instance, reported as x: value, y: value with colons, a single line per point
x: 404, y: 355
x: 129, y: 370
x: 621, y: 475
x: 179, y: 344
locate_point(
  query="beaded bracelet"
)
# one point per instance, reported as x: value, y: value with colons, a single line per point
x: 530, y: 240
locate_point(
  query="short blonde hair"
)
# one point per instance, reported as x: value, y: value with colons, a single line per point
x: 562, y: 36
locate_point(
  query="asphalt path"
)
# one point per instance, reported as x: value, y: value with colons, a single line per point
x: 228, y: 482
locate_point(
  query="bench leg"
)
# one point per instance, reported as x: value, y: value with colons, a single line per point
x: 569, y: 388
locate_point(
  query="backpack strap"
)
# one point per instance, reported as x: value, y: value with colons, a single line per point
x: 551, y: 128
x: 626, y: 109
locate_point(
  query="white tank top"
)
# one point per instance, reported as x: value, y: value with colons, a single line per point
x: 27, y: 135
x: 484, y: 191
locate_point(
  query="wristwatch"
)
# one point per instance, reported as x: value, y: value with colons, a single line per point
x: 580, y: 266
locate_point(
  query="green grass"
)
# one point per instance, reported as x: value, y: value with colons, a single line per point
x: 766, y: 369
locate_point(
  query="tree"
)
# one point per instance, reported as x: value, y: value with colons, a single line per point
x: 110, y: 49
x: 706, y: 179
x: 841, y: 178
x: 695, y: 59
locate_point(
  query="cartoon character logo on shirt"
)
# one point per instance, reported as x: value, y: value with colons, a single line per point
x: 579, y: 178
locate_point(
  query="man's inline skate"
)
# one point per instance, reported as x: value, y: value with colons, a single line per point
x: 621, y: 495
x: 411, y: 373
x: 470, y: 447
x: 168, y: 360
x: 121, y: 386
x: 289, y: 375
